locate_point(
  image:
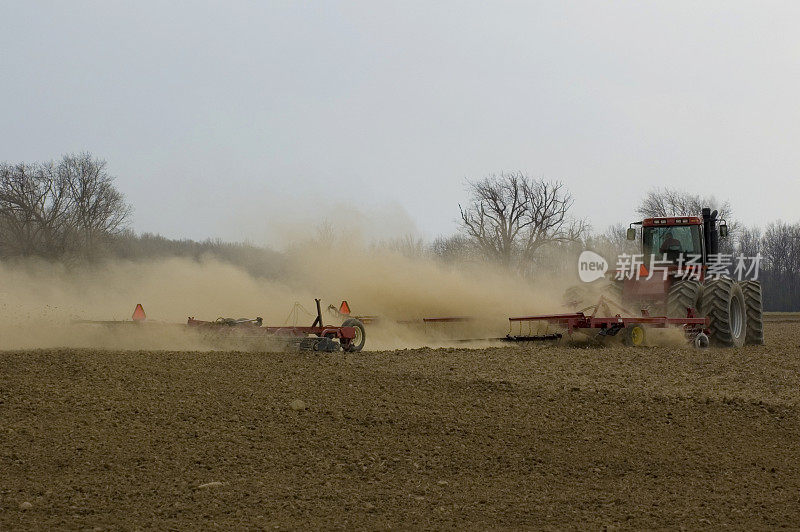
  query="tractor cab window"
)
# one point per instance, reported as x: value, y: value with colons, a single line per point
x: 671, y: 241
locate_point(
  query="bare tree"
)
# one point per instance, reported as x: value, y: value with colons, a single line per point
x: 324, y: 234
x: 780, y: 246
x: 672, y: 202
x: 780, y: 276
x: 749, y: 241
x: 34, y: 210
x: 511, y: 216
x: 497, y: 215
x: 453, y: 249
x: 98, y: 209
x: 408, y: 245
x: 549, y: 204
x: 52, y: 210
x: 613, y: 242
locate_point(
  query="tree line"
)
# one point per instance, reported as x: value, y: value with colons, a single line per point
x: 70, y: 209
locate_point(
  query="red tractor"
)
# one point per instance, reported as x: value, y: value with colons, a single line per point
x: 680, y: 278
x: 686, y: 252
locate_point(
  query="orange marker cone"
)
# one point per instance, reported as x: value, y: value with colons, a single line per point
x: 138, y: 313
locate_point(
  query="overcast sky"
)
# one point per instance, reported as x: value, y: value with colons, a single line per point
x: 224, y: 119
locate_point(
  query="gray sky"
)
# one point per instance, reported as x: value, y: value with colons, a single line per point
x: 222, y: 118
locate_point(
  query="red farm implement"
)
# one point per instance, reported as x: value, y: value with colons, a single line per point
x: 632, y: 328
x: 350, y: 336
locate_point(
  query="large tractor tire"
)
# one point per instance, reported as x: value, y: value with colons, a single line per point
x: 357, y: 343
x: 755, y: 312
x: 723, y: 302
x: 683, y: 294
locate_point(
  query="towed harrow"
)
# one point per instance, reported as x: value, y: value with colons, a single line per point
x: 350, y: 336
x: 632, y: 328
x: 603, y: 320
x: 598, y: 321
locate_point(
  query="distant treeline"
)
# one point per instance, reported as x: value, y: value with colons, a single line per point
x: 257, y: 261
x: 779, y: 245
x: 69, y: 210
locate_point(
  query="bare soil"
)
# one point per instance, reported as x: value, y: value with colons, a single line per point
x: 520, y: 437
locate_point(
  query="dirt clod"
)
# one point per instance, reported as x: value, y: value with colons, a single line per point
x: 298, y: 404
x: 207, y: 485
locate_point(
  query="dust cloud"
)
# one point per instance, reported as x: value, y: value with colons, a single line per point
x: 40, y: 302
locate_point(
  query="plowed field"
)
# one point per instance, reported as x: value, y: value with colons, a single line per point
x: 514, y: 437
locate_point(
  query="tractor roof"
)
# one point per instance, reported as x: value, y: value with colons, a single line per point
x: 672, y: 221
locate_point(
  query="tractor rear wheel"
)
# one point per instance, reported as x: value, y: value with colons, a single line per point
x: 723, y: 303
x: 357, y: 343
x: 683, y: 294
x: 755, y: 312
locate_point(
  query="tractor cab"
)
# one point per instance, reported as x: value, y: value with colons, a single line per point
x: 672, y: 238
x: 680, y: 238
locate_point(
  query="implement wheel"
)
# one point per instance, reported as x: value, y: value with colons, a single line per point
x: 357, y: 343
x: 633, y: 335
x: 701, y: 341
